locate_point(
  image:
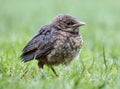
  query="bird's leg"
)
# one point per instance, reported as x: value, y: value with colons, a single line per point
x: 40, y: 65
x: 54, y: 71
x: 44, y: 74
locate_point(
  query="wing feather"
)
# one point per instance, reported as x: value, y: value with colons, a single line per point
x: 39, y: 45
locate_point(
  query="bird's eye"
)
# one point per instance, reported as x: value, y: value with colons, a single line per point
x: 69, y: 23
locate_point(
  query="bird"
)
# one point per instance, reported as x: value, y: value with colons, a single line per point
x: 58, y: 42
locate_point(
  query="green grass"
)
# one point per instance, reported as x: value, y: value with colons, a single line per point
x: 99, y: 64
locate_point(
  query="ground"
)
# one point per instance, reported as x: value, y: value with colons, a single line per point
x: 97, y: 67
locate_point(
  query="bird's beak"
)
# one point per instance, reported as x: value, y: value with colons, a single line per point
x: 82, y: 23
x: 79, y: 24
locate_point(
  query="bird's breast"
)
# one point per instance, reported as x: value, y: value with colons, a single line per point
x: 66, y: 48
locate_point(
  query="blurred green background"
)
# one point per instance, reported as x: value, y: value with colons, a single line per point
x: 20, y: 20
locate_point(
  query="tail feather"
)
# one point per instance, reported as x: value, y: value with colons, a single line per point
x: 27, y: 57
x: 35, y: 54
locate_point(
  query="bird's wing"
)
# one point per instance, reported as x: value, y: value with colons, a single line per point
x: 39, y: 46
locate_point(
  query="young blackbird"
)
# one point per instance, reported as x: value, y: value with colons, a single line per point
x: 56, y: 43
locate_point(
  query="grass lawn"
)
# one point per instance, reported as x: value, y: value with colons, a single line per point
x: 98, y: 66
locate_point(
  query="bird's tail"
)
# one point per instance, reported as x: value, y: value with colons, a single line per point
x: 27, y: 56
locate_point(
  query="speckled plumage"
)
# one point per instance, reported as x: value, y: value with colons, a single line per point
x: 56, y: 43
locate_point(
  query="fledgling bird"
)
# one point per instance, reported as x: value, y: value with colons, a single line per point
x: 56, y: 43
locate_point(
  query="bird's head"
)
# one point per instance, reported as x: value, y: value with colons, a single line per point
x: 67, y: 22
